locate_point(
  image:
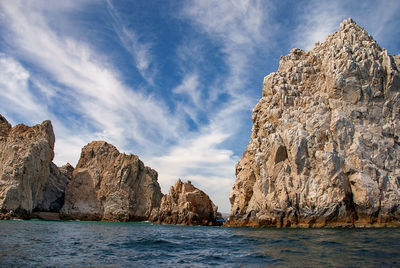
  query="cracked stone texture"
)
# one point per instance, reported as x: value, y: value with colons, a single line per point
x: 324, y: 148
x: 111, y: 186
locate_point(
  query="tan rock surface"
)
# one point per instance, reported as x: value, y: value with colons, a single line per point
x: 185, y: 204
x: 25, y: 158
x: 324, y: 149
x: 109, y: 185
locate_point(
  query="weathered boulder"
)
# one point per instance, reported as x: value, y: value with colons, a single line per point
x: 25, y: 159
x: 325, y: 146
x: 185, y: 204
x: 111, y: 186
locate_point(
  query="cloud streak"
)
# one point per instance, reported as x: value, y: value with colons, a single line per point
x: 16, y: 97
x: 111, y: 110
x: 139, y: 51
x: 240, y: 26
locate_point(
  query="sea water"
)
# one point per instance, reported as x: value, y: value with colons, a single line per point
x: 105, y: 244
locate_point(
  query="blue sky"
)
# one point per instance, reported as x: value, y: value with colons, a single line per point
x: 171, y: 81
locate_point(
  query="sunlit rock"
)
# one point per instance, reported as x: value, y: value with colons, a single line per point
x: 324, y: 148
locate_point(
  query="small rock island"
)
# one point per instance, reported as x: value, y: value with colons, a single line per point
x: 185, y: 204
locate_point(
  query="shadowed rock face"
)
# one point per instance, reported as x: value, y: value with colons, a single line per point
x: 185, y: 204
x: 324, y: 149
x: 53, y: 194
x: 25, y: 159
x: 108, y: 185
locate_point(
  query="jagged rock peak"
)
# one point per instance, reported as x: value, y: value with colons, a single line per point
x: 353, y: 30
x: 351, y: 33
x: 109, y: 185
x: 186, y: 204
x: 325, y: 146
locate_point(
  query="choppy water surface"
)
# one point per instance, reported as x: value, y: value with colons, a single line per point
x: 62, y: 244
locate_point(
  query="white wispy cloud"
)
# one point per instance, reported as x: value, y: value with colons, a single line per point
x: 190, y: 88
x: 238, y: 22
x: 131, y: 42
x: 240, y: 26
x: 16, y: 97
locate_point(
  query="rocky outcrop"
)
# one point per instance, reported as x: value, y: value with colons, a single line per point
x: 185, y: 204
x: 108, y: 185
x: 25, y: 159
x: 324, y: 149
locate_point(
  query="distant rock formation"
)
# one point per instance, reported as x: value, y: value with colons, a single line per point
x: 105, y: 185
x: 185, y: 204
x: 26, y: 169
x: 325, y: 146
x: 111, y: 186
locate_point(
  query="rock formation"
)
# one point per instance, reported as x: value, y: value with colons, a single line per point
x: 108, y: 185
x: 185, y: 204
x: 25, y: 159
x: 105, y: 185
x: 324, y: 149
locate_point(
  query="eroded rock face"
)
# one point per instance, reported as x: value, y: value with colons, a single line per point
x: 324, y: 149
x: 185, y: 204
x: 109, y: 185
x: 25, y: 159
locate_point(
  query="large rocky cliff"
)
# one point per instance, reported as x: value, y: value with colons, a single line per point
x: 112, y: 186
x: 325, y: 147
x: 186, y: 204
x: 26, y: 170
